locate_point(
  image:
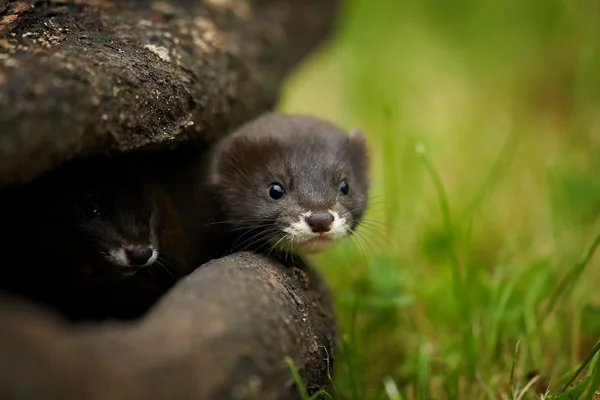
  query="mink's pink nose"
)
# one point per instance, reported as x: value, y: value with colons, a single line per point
x: 320, y: 222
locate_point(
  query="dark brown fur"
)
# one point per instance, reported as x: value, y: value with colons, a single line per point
x: 222, y: 189
x: 307, y: 155
x: 53, y: 249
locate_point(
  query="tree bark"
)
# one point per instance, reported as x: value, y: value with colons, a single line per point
x: 222, y: 333
x: 89, y: 77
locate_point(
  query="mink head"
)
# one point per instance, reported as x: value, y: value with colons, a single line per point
x: 292, y: 182
x: 113, y: 214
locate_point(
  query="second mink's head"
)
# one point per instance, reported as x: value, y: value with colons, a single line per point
x: 108, y: 213
x: 295, y: 182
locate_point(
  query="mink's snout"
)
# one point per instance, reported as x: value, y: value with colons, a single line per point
x: 139, y: 256
x: 320, y: 222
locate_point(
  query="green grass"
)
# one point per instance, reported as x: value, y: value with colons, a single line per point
x: 476, y: 264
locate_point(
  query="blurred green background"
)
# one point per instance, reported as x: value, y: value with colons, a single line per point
x: 499, y: 100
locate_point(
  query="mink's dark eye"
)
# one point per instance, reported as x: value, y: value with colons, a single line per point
x: 344, y: 186
x: 92, y: 210
x: 276, y: 191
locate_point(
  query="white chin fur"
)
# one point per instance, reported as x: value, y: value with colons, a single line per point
x: 302, y: 239
x: 152, y: 259
x: 118, y: 257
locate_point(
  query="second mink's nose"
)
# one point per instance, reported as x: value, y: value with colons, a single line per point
x: 139, y: 256
x: 320, y: 222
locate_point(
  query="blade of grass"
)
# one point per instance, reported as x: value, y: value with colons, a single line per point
x: 595, y: 381
x: 457, y: 284
x: 487, y: 187
x: 297, y: 378
x: 424, y: 371
x: 570, y: 279
x: 300, y: 383
x: 525, y: 389
x: 587, y: 360
x: 498, y: 312
x: 533, y: 355
x: 564, y: 377
x: 512, y: 371
x: 391, y: 389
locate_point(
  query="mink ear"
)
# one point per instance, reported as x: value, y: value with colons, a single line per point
x: 232, y: 157
x: 357, y: 137
x: 358, y: 148
x: 216, y: 164
x: 356, y: 132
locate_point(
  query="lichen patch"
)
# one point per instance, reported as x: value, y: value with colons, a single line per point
x: 160, y: 51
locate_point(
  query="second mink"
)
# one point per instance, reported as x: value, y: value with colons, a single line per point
x: 93, y: 239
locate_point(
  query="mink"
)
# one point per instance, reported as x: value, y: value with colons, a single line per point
x: 282, y: 185
x: 92, y: 240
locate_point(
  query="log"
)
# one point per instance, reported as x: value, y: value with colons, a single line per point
x: 223, y: 333
x: 94, y: 77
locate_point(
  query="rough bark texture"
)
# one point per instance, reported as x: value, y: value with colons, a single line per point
x: 222, y: 334
x: 81, y: 78
x: 85, y: 77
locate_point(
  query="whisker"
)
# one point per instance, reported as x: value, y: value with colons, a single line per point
x: 374, y: 221
x: 380, y: 202
x: 294, y: 241
x: 253, y: 227
x: 359, y: 248
x: 362, y: 246
x: 382, y: 232
x: 272, y: 248
x: 373, y: 230
x: 366, y: 242
x: 257, y: 235
x: 249, y: 230
x: 266, y: 243
x: 263, y: 236
x: 277, y: 243
x: 240, y: 221
x: 163, y: 264
x: 378, y: 238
